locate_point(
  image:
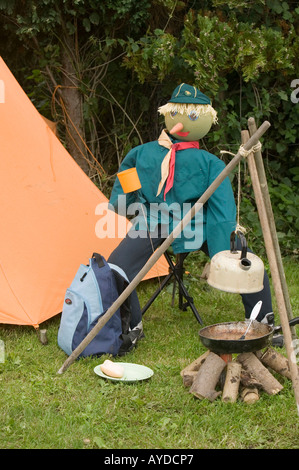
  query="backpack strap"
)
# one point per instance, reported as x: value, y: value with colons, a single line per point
x: 122, y: 282
x: 98, y: 259
x: 119, y: 270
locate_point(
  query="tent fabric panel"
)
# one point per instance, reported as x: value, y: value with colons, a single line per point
x: 47, y: 212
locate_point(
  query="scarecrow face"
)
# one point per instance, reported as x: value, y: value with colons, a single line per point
x: 193, y: 126
x: 189, y: 114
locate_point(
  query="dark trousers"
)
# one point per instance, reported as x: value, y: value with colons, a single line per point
x: 132, y: 254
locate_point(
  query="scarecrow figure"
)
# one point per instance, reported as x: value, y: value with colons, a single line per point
x: 174, y: 172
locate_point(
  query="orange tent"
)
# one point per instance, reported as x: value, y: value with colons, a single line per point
x: 48, y: 213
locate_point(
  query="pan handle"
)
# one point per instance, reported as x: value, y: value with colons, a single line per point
x: 292, y: 322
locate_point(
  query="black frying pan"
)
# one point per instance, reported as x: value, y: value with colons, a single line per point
x: 223, y: 338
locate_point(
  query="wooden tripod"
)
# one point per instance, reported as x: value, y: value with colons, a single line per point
x: 263, y: 202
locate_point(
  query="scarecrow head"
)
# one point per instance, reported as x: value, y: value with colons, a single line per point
x: 188, y: 114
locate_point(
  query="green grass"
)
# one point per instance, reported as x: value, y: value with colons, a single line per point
x: 43, y: 410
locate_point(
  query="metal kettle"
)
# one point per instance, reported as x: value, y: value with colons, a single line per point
x: 236, y: 271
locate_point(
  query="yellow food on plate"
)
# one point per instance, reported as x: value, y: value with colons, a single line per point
x: 112, y: 370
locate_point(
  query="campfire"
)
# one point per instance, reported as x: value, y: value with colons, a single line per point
x: 242, y: 377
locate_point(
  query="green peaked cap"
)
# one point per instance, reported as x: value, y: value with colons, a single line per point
x: 188, y: 94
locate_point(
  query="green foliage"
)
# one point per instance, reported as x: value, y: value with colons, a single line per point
x: 155, y: 56
x: 129, y: 56
x: 212, y: 48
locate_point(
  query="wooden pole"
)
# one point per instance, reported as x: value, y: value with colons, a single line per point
x: 268, y: 208
x: 163, y: 247
x: 274, y: 270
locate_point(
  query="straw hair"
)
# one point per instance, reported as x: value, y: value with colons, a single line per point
x: 187, y: 108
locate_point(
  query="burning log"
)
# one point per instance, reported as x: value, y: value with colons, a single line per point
x: 232, y: 382
x: 250, y: 395
x: 189, y: 372
x: 195, y: 365
x: 245, y: 376
x: 207, y: 377
x: 254, y: 366
x: 276, y: 362
x: 248, y: 381
x: 249, y: 387
x: 188, y: 377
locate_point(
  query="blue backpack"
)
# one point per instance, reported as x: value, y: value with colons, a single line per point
x: 94, y: 289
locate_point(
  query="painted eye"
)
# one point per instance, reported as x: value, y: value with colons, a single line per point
x: 193, y: 116
x: 173, y: 113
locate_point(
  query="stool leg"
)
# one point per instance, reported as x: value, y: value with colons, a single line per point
x: 180, y: 271
x: 176, y: 271
x: 173, y: 292
x: 183, y: 293
x: 155, y: 295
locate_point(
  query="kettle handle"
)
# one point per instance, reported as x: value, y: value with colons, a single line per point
x: 233, y: 244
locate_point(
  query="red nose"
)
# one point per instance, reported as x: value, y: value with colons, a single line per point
x: 177, y: 128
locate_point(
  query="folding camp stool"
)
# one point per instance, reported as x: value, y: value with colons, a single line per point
x: 176, y: 271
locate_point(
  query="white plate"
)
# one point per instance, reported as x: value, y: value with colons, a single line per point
x: 133, y: 372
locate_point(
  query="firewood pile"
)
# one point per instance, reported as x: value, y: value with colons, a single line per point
x: 245, y: 377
